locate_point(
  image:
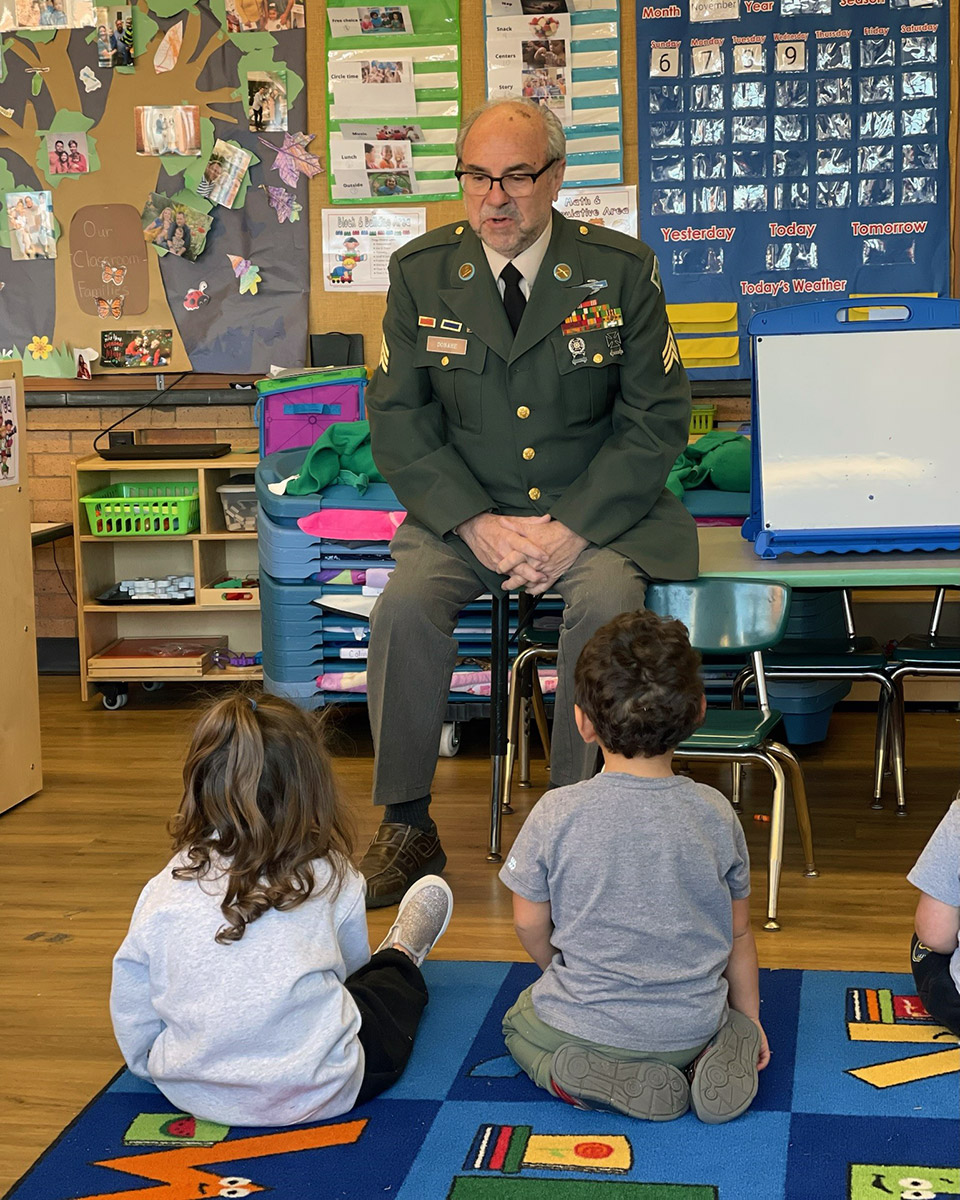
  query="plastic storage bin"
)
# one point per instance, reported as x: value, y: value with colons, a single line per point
x: 239, y: 502
x: 294, y: 411
x: 143, y: 509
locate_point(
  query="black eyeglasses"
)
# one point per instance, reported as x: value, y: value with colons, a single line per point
x: 516, y: 184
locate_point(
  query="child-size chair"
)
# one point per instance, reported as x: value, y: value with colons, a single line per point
x: 725, y: 618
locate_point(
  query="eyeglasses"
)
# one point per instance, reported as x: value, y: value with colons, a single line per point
x: 516, y: 184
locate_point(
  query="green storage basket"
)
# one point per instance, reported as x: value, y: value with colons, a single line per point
x: 143, y: 509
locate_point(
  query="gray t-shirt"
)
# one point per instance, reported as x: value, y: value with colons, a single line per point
x: 640, y: 874
x: 937, y: 871
x: 256, y: 1032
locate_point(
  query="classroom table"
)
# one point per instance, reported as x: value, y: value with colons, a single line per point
x: 723, y: 551
x: 42, y: 532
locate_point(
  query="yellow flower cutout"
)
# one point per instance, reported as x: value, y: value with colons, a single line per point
x: 40, y: 347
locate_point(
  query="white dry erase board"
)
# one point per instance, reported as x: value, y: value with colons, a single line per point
x: 858, y: 439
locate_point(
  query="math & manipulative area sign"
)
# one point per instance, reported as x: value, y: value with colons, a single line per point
x: 790, y: 150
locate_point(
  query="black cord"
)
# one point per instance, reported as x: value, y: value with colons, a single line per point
x: 127, y: 416
x: 53, y: 547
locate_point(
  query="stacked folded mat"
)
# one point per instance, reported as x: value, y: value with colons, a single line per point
x: 315, y: 656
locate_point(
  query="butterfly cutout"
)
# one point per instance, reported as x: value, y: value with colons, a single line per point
x: 113, y: 274
x: 110, y: 308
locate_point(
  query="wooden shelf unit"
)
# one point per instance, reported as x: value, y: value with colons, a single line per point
x: 207, y: 554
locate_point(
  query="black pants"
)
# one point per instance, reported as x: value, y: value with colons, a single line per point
x: 391, y: 996
x: 935, y: 986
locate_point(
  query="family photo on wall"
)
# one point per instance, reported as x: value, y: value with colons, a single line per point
x: 167, y: 130
x: 175, y: 228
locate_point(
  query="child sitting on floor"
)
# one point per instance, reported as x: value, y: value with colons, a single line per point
x: 935, y: 952
x: 245, y: 989
x: 630, y: 892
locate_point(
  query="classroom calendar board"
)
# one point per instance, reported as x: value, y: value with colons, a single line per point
x: 790, y: 150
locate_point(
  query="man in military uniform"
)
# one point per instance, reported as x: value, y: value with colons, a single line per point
x: 527, y: 410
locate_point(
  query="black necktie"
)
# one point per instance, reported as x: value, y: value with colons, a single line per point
x: 514, y: 300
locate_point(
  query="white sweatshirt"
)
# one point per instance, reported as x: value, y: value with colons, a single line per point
x: 255, y: 1032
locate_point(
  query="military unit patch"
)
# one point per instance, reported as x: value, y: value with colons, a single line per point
x: 591, y: 314
x: 670, y: 355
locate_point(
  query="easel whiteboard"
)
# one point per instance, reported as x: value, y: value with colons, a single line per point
x: 859, y: 430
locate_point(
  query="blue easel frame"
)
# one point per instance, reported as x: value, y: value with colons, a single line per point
x: 823, y: 317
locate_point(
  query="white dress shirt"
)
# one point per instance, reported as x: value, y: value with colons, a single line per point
x: 527, y: 263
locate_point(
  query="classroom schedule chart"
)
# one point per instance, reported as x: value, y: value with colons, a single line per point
x: 790, y: 150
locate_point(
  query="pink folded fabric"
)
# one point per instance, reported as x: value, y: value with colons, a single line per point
x: 352, y: 524
x: 474, y: 683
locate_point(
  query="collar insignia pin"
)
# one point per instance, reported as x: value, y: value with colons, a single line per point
x: 562, y: 272
x: 467, y: 271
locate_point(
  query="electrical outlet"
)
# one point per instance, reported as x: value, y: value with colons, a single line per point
x: 123, y: 437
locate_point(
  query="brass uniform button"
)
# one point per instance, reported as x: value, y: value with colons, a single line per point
x: 444, y: 362
x: 528, y: 453
x: 584, y: 229
x: 458, y: 230
x: 598, y: 358
x: 523, y: 412
x: 534, y: 493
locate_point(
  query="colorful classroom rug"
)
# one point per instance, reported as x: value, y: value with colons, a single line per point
x: 860, y: 1102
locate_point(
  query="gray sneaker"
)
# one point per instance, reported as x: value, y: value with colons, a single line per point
x: 644, y: 1088
x: 724, y: 1080
x: 422, y: 917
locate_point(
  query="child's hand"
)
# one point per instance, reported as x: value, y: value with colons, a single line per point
x: 763, y: 1054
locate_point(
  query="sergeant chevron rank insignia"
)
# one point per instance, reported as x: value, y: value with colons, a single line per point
x: 671, y: 355
x: 384, y: 355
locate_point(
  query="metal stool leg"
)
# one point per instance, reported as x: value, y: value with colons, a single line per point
x: 499, y: 627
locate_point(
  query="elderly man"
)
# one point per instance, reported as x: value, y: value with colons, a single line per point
x: 527, y: 409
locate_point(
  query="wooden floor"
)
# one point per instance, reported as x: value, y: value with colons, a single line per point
x: 73, y: 860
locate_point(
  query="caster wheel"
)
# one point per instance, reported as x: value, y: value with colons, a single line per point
x: 449, y: 739
x: 152, y: 685
x: 115, y: 700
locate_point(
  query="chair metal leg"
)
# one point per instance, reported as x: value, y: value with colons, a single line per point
x: 736, y: 769
x: 880, y: 751
x: 523, y: 742
x: 898, y: 734
x: 499, y: 626
x: 775, y: 852
x: 512, y: 722
x: 798, y: 791
x: 539, y: 711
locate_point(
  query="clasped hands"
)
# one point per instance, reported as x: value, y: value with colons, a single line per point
x: 533, y: 552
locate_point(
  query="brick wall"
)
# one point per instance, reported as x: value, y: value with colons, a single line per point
x: 57, y: 436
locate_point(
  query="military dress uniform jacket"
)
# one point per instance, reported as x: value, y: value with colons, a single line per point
x: 466, y: 418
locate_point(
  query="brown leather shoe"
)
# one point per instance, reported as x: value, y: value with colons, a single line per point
x: 398, y: 856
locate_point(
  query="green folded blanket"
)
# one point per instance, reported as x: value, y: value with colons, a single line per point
x: 721, y: 458
x: 341, y: 454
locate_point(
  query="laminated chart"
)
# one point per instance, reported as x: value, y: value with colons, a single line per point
x: 393, y: 95
x: 567, y: 59
x: 790, y: 150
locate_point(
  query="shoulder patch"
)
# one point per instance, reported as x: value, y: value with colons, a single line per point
x: 655, y: 274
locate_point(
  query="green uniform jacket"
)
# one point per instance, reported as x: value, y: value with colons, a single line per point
x: 465, y: 418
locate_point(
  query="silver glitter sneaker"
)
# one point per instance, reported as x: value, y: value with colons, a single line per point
x: 422, y: 917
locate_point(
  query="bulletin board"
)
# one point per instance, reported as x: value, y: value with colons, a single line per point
x: 792, y: 150
x: 168, y: 137
x: 393, y: 94
x: 565, y: 54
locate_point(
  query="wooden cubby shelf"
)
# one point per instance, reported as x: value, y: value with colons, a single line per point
x: 209, y: 554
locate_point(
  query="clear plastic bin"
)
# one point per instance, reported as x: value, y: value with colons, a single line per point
x: 239, y: 502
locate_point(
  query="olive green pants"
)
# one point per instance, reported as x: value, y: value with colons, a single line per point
x: 532, y: 1044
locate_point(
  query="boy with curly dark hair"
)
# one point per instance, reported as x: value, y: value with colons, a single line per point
x: 631, y: 893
